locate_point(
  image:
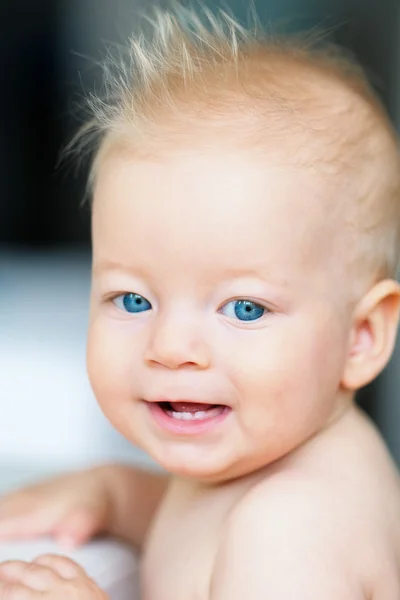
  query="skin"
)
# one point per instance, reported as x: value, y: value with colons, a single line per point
x: 47, y: 577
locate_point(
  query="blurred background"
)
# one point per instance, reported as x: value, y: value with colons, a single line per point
x: 48, y: 417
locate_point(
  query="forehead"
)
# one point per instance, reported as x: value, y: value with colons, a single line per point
x: 232, y: 206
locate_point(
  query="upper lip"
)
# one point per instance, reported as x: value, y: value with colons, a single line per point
x: 183, y: 400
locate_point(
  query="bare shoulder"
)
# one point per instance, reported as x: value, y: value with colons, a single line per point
x: 327, y: 522
x: 282, y: 543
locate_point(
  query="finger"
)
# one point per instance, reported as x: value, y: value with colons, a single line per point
x: 9, y: 505
x: 77, y: 527
x: 11, y: 570
x: 17, y: 591
x: 27, y: 525
x: 16, y: 505
x: 20, y: 500
x: 34, y: 576
x: 65, y: 567
x: 19, y: 526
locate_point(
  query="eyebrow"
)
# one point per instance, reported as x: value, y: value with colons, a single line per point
x: 233, y: 273
x: 109, y: 265
x: 256, y: 274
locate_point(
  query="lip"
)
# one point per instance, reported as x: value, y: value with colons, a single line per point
x: 185, y: 428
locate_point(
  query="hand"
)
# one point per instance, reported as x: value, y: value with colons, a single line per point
x: 72, y: 508
x: 48, y: 577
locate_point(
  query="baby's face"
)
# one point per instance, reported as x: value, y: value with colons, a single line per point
x: 213, y: 285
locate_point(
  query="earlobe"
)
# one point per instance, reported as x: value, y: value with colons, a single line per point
x: 373, y: 334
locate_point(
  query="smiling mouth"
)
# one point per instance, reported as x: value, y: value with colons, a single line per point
x: 191, y: 411
x: 186, y: 417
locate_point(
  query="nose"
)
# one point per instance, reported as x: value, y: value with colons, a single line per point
x: 175, y: 343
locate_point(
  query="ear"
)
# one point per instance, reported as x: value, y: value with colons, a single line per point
x: 373, y: 334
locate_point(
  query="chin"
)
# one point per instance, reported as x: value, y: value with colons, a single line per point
x: 211, y: 469
x: 193, y: 463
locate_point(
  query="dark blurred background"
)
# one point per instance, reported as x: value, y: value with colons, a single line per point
x: 44, y: 72
x: 47, y: 53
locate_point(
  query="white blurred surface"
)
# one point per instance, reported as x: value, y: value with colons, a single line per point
x: 48, y: 415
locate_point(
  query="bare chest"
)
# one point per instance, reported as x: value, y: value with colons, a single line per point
x: 182, y: 545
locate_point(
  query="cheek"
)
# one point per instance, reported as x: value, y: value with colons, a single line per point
x: 287, y: 375
x: 111, y: 362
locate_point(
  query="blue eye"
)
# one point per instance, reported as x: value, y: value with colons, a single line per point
x: 244, y: 310
x: 132, y: 303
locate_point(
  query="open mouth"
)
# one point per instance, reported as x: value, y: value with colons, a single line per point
x: 188, y: 418
x: 191, y: 411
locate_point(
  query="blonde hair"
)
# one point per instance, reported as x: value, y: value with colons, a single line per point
x: 195, y: 69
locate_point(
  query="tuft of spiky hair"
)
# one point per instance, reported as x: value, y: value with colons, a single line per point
x: 189, y: 66
x: 178, y: 50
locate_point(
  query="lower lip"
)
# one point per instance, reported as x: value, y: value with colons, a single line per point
x: 182, y: 427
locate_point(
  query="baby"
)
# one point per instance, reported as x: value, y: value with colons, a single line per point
x: 246, y: 218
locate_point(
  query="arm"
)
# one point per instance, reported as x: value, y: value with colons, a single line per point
x: 134, y: 496
x: 278, y: 551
